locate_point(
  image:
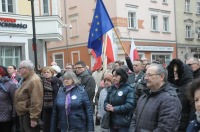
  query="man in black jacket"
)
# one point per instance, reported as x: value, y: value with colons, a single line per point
x: 195, y: 66
x: 86, y: 79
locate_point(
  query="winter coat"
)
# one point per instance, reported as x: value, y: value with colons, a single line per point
x: 29, y: 97
x: 122, y: 99
x: 194, y: 126
x: 196, y: 74
x: 157, y: 111
x: 102, y: 97
x: 89, y: 83
x: 80, y: 117
x: 185, y: 75
x: 7, y: 111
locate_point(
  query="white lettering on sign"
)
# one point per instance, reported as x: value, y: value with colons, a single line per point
x: 154, y: 48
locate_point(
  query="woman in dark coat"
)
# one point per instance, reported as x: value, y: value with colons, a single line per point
x: 194, y: 95
x: 180, y: 76
x: 7, y: 90
x: 72, y: 109
x: 51, y: 86
x: 120, y: 102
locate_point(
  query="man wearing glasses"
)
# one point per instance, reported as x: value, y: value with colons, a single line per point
x: 159, y: 108
x: 86, y: 79
x: 28, y: 98
x: 195, y: 66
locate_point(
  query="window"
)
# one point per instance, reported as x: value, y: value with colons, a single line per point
x: 165, y: 24
x: 154, y: 23
x: 10, y: 55
x: 187, y: 5
x: 197, y: 56
x: 188, y: 31
x: 45, y: 7
x: 7, y: 6
x: 74, y: 30
x: 165, y: 57
x: 131, y: 19
x: 58, y: 58
x: 164, y: 1
x: 198, y: 7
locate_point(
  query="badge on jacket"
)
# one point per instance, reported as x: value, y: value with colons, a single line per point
x: 120, y: 93
x: 74, y: 97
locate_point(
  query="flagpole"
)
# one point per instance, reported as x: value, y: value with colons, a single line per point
x: 120, y: 40
x: 104, y: 54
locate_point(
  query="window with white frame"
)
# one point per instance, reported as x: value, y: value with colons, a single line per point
x: 10, y: 55
x: 7, y: 6
x: 131, y: 19
x: 166, y: 24
x: 165, y: 56
x: 154, y: 23
x: 74, y: 30
x: 45, y: 7
x: 187, y: 5
x: 188, y: 31
x: 198, y: 7
x: 58, y: 58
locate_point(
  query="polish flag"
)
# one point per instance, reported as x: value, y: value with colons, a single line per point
x: 133, y: 52
x: 98, y: 62
x: 111, y: 49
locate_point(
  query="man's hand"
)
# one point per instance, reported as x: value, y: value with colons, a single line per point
x: 33, y: 123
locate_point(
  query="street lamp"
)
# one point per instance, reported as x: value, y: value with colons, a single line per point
x: 34, y: 35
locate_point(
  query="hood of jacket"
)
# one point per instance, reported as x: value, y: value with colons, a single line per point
x: 184, y: 72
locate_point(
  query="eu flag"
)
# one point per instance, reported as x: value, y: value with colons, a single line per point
x: 101, y: 24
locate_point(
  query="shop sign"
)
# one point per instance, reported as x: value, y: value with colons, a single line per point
x: 154, y: 48
x: 11, y: 23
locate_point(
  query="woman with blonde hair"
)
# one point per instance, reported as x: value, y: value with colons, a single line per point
x: 51, y: 86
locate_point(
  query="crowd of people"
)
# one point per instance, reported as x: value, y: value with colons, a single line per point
x: 141, y: 96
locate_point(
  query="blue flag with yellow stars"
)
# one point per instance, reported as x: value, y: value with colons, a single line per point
x: 101, y: 24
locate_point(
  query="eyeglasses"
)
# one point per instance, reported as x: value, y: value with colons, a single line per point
x: 21, y: 68
x: 150, y: 75
x: 78, y: 67
x: 192, y: 64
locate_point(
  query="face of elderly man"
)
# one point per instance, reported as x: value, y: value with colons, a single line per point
x: 153, y: 79
x: 193, y: 64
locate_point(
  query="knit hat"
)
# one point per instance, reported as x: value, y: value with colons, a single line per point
x: 56, y: 68
x: 3, y: 71
x: 109, y: 77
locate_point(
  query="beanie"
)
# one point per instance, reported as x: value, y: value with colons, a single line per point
x: 56, y: 68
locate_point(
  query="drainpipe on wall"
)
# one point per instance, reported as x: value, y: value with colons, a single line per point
x: 175, y: 28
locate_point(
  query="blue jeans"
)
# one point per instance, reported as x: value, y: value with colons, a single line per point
x: 120, y: 129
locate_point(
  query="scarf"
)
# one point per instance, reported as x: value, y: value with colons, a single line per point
x: 198, y: 116
x: 13, y: 78
x: 48, y: 93
x: 68, y: 98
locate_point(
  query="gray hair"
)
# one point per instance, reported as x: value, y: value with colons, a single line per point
x: 194, y: 59
x: 28, y: 64
x: 161, y: 70
x: 71, y: 75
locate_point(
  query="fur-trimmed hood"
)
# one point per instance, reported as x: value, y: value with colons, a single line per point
x: 184, y: 72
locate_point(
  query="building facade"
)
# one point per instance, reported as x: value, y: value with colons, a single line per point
x: 188, y: 28
x: 151, y: 24
x: 16, y: 31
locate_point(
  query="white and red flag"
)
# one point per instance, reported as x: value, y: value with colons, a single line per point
x: 111, y: 47
x: 98, y: 61
x: 133, y: 52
